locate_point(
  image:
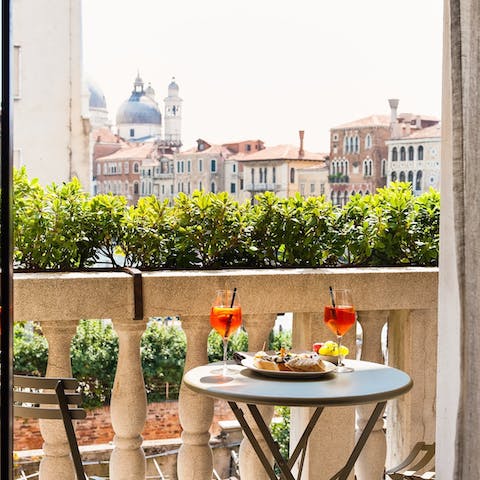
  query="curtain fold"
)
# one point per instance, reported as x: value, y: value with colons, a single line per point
x: 465, y: 82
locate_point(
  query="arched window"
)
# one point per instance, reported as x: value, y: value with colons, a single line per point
x: 370, y: 168
x: 213, y: 165
x: 403, y: 152
x: 368, y: 141
x: 345, y: 146
x: 332, y: 196
x: 212, y: 187
x: 261, y: 175
x: 420, y: 152
x: 410, y: 177
x: 292, y: 175
x: 367, y: 192
x: 394, y: 154
x: 384, y: 168
x: 365, y: 168
x: 357, y: 144
x: 351, y: 145
x: 347, y: 166
x: 136, y: 167
x: 253, y: 176
x: 135, y: 188
x: 418, y: 181
x: 265, y: 174
x: 401, y: 177
x: 394, y: 176
x: 410, y: 153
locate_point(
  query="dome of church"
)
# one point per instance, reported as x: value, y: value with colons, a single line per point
x: 97, y: 98
x: 139, y: 108
x: 173, y: 88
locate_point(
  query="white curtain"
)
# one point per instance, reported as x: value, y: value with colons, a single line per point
x: 458, y: 407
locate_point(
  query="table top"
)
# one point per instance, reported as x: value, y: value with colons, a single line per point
x: 368, y: 383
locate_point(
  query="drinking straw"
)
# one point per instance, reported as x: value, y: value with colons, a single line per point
x: 229, y: 320
x: 334, y: 313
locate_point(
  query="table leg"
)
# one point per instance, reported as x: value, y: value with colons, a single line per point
x: 362, y: 440
x: 254, y: 442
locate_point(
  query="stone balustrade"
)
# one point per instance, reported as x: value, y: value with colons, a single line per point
x: 405, y: 299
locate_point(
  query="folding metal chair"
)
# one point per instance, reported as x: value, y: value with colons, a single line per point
x: 32, y: 401
x: 419, y: 464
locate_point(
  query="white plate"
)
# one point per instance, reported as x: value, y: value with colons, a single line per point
x: 248, y: 362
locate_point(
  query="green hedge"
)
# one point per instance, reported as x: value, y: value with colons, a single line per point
x: 94, y: 354
x: 62, y: 227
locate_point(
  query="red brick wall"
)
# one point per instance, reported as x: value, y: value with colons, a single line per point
x: 162, y: 422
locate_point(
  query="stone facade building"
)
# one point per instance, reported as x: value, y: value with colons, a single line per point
x: 416, y: 158
x: 359, y: 151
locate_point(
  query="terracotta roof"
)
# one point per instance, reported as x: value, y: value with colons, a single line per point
x: 131, y: 152
x: 430, y: 132
x: 279, y: 152
x: 370, y: 121
x: 105, y: 135
x: 213, y: 150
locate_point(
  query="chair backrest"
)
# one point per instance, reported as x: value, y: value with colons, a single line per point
x: 52, y: 399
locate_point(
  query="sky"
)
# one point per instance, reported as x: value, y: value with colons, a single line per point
x: 265, y: 69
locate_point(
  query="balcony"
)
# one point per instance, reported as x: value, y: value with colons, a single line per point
x: 338, y: 178
x: 262, y: 187
x: 405, y: 299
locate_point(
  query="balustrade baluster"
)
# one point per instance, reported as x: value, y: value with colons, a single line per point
x: 56, y: 462
x: 128, y: 407
x: 195, y: 461
x: 371, y: 463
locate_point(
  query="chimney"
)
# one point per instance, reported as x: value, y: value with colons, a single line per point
x: 393, y: 102
x: 301, y: 152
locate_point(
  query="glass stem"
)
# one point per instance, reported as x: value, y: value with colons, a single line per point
x: 225, y: 343
x: 340, y: 356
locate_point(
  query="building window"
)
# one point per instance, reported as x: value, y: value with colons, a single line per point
x: 351, y: 145
x: 125, y: 167
x: 200, y: 165
x: 241, y: 184
x: 163, y: 189
x: 126, y: 188
x: 302, y: 189
x: 188, y: 188
x: 171, y: 189
x: 253, y: 176
x: 248, y: 147
x: 345, y: 144
x: 212, y: 187
x: 274, y: 175
x: 403, y: 155
x: 357, y: 144
x: 233, y: 188
x: 260, y: 171
x: 394, y: 176
x: 384, y: 168
x: 420, y: 152
x: 200, y: 186
x: 401, y: 177
x: 410, y: 153
x: 292, y: 175
x: 178, y: 167
x: 368, y: 141
x: 99, y: 169
x: 418, y: 181
x: 234, y: 168
x: 132, y: 132
x: 135, y: 188
x: 394, y: 154
x: 365, y: 168
x: 182, y: 165
x: 136, y: 168
x: 189, y: 166
x: 410, y: 177
x: 265, y: 175
x: 213, y: 165
x: 312, y: 188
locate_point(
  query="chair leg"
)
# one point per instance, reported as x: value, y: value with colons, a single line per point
x: 72, y: 439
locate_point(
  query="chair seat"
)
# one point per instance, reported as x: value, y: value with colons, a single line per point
x: 419, y: 464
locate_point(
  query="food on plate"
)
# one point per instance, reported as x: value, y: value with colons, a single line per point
x: 330, y: 349
x: 288, y: 361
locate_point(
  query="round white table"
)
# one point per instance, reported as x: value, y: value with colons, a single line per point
x: 368, y: 383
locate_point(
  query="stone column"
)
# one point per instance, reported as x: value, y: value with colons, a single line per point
x: 195, y: 461
x: 258, y: 328
x: 334, y: 434
x: 371, y: 463
x: 412, y: 347
x: 128, y: 407
x: 57, y: 462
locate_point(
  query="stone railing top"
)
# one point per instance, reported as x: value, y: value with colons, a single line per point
x: 55, y: 296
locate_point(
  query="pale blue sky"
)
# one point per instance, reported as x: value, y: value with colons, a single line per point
x: 268, y: 68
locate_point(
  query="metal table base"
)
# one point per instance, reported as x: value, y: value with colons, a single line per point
x: 285, y: 465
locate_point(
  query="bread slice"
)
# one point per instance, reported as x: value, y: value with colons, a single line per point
x: 306, y: 364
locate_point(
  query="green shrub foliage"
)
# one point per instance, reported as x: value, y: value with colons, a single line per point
x: 60, y: 227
